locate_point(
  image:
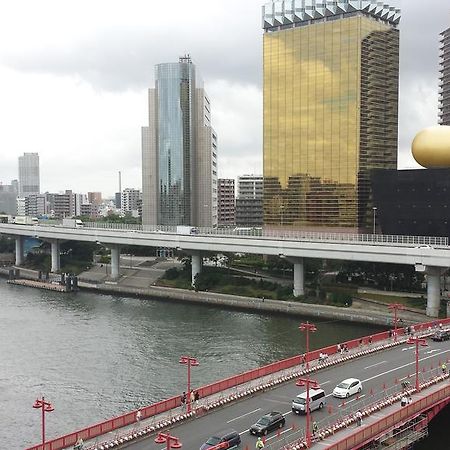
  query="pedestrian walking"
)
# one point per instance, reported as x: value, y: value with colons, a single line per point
x: 315, y: 428
x: 259, y: 443
x: 192, y: 398
x: 404, y: 400
x: 359, y: 417
x: 196, y: 398
x: 138, y: 415
x: 444, y: 368
x: 183, y: 401
x: 79, y: 445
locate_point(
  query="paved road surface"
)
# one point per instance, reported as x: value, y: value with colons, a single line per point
x: 374, y: 371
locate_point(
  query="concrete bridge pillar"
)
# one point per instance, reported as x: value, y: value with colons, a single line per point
x: 196, y: 264
x: 433, y: 290
x: 299, y: 277
x: 115, y: 261
x: 56, y: 262
x: 19, y: 250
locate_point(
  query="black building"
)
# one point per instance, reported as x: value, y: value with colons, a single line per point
x: 412, y: 202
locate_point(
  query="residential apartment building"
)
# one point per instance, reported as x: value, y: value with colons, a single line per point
x: 130, y: 201
x: 226, y: 202
x: 179, y: 150
x: 249, y: 201
x: 330, y: 110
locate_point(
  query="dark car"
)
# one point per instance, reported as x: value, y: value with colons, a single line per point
x: 268, y: 423
x: 441, y: 335
x: 230, y: 436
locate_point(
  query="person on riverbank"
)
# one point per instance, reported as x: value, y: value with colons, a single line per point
x: 79, y: 445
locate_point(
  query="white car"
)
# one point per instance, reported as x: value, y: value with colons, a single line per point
x: 348, y: 387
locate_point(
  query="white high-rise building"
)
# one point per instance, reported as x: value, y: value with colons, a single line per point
x: 29, y: 182
x: 130, y: 201
x: 444, y: 79
x: 179, y: 150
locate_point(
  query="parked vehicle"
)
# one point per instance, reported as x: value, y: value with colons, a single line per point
x: 26, y: 220
x: 441, y: 335
x: 72, y: 223
x: 348, y: 387
x: 6, y: 218
x: 316, y: 401
x: 230, y: 436
x: 184, y: 229
x: 267, y: 423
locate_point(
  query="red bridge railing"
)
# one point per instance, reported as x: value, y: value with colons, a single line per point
x: 369, y: 432
x: 115, y: 423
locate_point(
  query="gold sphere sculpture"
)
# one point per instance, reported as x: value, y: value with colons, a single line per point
x: 431, y: 147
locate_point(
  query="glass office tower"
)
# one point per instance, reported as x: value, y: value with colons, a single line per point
x: 330, y: 110
x: 179, y: 150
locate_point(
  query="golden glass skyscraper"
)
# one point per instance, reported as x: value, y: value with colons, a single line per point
x: 330, y: 110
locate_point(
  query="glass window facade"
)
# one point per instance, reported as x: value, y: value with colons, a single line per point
x: 330, y: 115
x: 175, y: 84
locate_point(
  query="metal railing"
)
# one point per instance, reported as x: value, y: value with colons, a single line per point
x: 291, y: 235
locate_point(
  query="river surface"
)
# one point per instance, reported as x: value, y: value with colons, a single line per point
x: 98, y: 356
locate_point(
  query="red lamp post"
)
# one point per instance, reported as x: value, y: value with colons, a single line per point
x: 307, y: 327
x: 394, y: 307
x: 189, y: 361
x: 171, y: 441
x: 313, y: 384
x: 423, y: 343
x: 46, y: 407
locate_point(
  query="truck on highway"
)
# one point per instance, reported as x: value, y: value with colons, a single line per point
x: 26, y: 220
x: 186, y: 229
x: 73, y: 223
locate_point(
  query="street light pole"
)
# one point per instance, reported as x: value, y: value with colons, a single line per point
x: 314, y: 385
x: 307, y: 327
x: 189, y: 361
x: 423, y: 343
x: 46, y: 407
x: 395, y: 307
x: 374, y: 209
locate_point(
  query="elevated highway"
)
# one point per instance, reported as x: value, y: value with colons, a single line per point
x: 381, y: 363
x: 425, y: 253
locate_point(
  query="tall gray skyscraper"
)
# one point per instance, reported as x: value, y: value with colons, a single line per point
x: 29, y: 174
x: 179, y: 150
x: 444, y: 81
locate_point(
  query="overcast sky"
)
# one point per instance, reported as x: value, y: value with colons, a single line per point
x: 74, y: 74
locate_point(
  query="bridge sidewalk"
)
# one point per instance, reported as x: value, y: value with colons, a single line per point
x: 372, y: 419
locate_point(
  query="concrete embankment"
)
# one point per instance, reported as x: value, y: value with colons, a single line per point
x: 252, y: 304
x: 267, y: 306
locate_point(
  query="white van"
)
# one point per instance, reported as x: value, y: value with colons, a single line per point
x: 316, y: 401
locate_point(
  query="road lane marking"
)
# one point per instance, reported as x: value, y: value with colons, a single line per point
x: 407, y: 348
x: 325, y: 382
x: 432, y: 351
x: 404, y: 365
x: 243, y: 415
x: 374, y: 365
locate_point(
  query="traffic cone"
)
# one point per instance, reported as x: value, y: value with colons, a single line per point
x: 293, y: 426
x: 278, y: 433
x: 264, y: 440
x: 371, y: 391
x: 384, y: 386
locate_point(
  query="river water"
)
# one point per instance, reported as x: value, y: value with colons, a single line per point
x: 98, y: 356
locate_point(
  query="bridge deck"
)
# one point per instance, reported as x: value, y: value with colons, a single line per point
x: 381, y: 374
